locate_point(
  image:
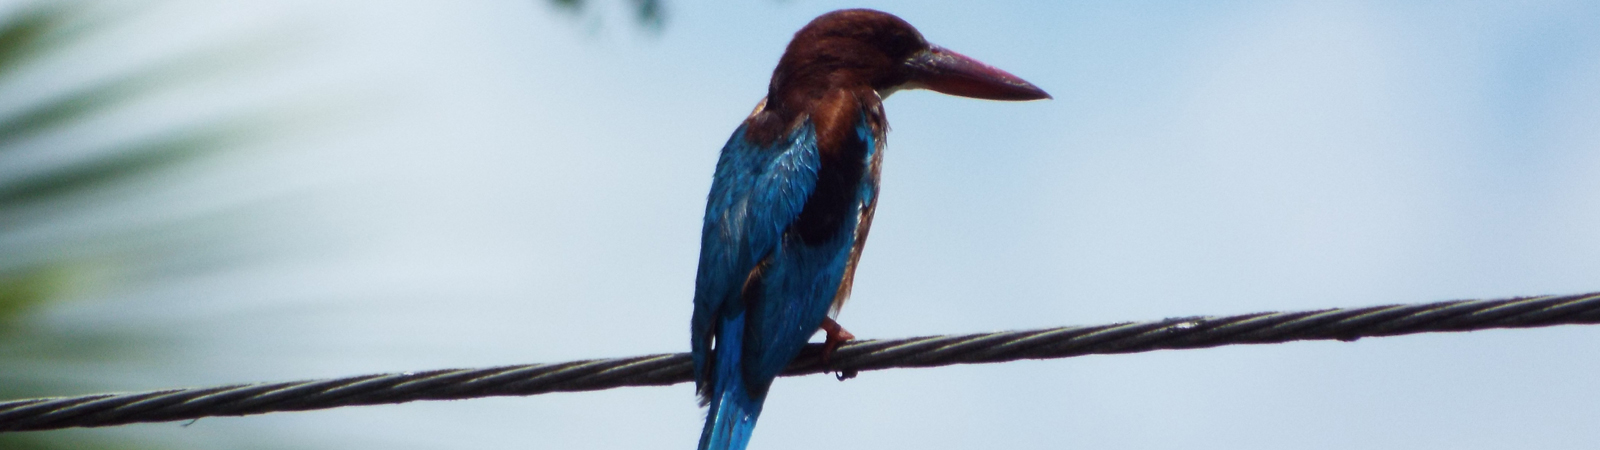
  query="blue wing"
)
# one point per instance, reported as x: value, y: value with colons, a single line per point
x: 801, y: 278
x: 775, y: 249
x: 755, y: 193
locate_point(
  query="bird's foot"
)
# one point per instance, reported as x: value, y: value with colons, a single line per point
x: 836, y: 337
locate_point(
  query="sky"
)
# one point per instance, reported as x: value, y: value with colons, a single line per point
x: 452, y: 184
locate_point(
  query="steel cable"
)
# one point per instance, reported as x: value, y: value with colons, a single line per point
x: 1345, y: 324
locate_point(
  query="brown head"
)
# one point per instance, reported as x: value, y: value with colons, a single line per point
x: 861, y: 48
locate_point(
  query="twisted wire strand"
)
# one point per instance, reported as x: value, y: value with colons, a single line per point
x: 1346, y: 324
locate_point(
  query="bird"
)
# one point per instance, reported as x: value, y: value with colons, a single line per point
x: 792, y: 199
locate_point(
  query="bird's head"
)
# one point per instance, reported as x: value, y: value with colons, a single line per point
x: 856, y: 48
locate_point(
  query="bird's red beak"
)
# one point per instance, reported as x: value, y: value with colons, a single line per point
x: 944, y: 71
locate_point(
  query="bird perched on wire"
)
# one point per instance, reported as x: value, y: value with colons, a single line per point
x: 792, y: 199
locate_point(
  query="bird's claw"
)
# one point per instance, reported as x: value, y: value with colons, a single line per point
x: 836, y: 336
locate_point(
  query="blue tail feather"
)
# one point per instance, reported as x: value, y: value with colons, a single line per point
x: 733, y: 412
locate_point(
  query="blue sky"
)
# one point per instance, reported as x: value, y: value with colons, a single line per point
x: 492, y: 183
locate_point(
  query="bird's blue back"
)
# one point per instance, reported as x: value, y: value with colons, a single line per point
x: 762, y: 290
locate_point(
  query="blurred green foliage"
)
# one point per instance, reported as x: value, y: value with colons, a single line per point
x: 648, y: 13
x: 36, y: 273
x: 33, y: 273
x: 23, y: 36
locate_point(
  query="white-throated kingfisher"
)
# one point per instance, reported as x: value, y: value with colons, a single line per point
x: 792, y: 199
